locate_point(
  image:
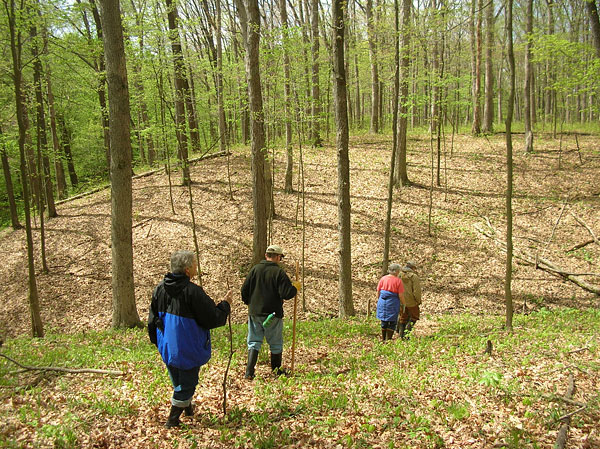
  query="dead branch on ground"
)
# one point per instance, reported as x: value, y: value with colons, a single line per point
x: 540, y: 262
x: 61, y: 369
x: 561, y: 439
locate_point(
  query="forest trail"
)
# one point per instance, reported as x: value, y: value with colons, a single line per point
x: 461, y: 270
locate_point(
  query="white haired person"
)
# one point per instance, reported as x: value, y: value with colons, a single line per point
x: 179, y: 322
x: 412, y: 299
x: 390, y: 291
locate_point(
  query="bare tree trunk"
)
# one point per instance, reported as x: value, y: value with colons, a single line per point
x: 124, y: 309
x: 10, y: 193
x: 37, y: 327
x: 250, y: 20
x: 528, y: 79
x: 488, y: 110
x: 592, y: 10
x: 289, y: 167
x: 342, y: 141
x: 388, y: 216
x: 66, y: 146
x: 401, y: 174
x: 180, y: 91
x: 550, y: 96
x: 59, y: 169
x: 509, y: 170
x: 476, y: 63
x: 316, y: 89
x: 101, y: 71
x: 374, y: 68
x: 223, y: 135
x: 139, y: 87
x: 42, y: 135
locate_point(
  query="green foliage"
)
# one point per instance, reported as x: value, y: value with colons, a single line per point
x: 348, y: 386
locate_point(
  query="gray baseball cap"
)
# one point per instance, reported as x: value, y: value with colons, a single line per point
x: 274, y: 249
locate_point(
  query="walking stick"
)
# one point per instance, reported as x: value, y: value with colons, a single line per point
x: 294, y: 319
x: 228, y: 360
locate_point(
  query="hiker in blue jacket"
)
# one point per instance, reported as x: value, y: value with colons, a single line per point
x: 179, y: 322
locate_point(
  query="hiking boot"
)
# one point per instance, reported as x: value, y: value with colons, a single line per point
x: 174, y: 415
x: 252, y: 358
x: 276, y: 365
x: 189, y: 410
x: 401, y: 330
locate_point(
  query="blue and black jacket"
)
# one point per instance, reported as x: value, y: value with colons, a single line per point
x: 179, y: 322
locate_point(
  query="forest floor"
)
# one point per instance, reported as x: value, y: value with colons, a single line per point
x: 556, y: 207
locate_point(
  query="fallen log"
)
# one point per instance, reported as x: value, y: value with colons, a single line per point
x: 561, y: 438
x: 61, y: 369
x: 542, y: 263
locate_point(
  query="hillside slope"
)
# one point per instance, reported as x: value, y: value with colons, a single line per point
x: 461, y: 269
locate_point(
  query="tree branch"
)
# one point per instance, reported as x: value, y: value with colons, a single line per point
x: 62, y: 370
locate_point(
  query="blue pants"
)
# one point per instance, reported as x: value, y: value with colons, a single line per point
x: 273, y: 333
x: 184, y: 384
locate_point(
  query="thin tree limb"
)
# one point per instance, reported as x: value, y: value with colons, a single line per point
x: 584, y: 224
x: 561, y: 439
x: 543, y: 264
x: 61, y: 369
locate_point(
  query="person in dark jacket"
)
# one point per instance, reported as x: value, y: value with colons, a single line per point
x: 179, y: 322
x: 264, y: 290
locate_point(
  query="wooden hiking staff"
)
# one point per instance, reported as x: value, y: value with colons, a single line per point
x: 294, y: 319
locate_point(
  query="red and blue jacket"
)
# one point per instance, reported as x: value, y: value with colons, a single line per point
x: 389, y: 290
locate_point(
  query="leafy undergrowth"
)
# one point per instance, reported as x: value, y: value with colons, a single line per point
x: 438, y: 389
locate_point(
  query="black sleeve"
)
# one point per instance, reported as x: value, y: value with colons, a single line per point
x: 246, y: 290
x: 206, y: 313
x: 285, y: 287
x: 152, y: 317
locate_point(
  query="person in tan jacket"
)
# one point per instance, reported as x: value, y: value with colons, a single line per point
x: 409, y: 313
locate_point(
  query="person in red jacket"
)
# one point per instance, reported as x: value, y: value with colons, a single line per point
x: 390, y: 293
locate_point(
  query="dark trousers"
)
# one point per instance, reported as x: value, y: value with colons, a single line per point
x: 184, y: 384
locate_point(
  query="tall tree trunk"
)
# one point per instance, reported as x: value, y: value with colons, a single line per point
x: 59, y: 169
x: 250, y: 20
x: 592, y: 10
x: 509, y: 169
x: 37, y: 327
x: 180, y: 90
x: 371, y: 25
x: 342, y: 141
x: 101, y: 71
x: 528, y: 79
x: 289, y: 167
x: 66, y: 146
x: 316, y: 88
x: 223, y: 137
x: 550, y: 96
x: 388, y: 216
x: 476, y: 46
x: 124, y: 309
x: 401, y: 175
x: 488, y: 109
x: 10, y: 192
x: 42, y: 135
x: 144, y: 121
